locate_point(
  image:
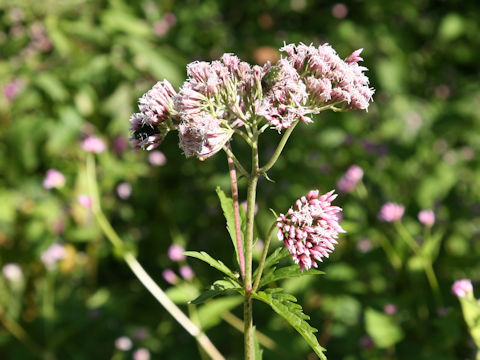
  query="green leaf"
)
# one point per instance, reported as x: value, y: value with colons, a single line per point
x: 217, y: 264
x: 274, y: 258
x: 382, y: 328
x: 471, y: 314
x: 285, y: 305
x: 182, y: 293
x: 228, y: 212
x: 217, y: 288
x: 211, y: 314
x: 285, y: 273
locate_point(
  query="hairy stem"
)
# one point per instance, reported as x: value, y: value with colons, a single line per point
x: 279, y: 149
x: 140, y: 272
x: 264, y: 256
x: 236, y: 213
x: 247, y: 308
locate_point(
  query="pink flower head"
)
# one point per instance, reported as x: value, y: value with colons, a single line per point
x: 391, y: 212
x: 329, y: 79
x: 461, y: 288
x: 170, y: 276
x: 93, y: 144
x: 157, y: 158
x: 52, y: 255
x: 124, y: 190
x: 141, y: 354
x: 123, y: 343
x: 390, y: 309
x: 339, y: 10
x: 426, y: 217
x: 85, y: 200
x: 175, y: 253
x: 12, y: 272
x: 349, y: 180
x: 53, y: 179
x: 152, y: 123
x: 13, y: 88
x: 310, y: 229
x: 187, y: 272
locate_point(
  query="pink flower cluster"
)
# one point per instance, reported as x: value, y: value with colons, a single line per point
x: 349, y: 180
x: 220, y: 96
x: 391, y: 212
x: 329, y: 79
x: 426, y: 217
x: 151, y: 124
x: 310, y: 229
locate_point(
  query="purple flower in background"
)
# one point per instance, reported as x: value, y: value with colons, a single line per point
x: 157, y: 158
x: 390, y: 309
x: 170, y: 276
x: 124, y: 190
x: 141, y: 354
x: 13, y: 88
x: 339, y: 10
x: 349, y: 180
x: 187, y: 272
x: 52, y: 255
x: 93, y: 144
x: 310, y: 229
x: 120, y: 144
x: 85, y: 201
x: 461, y: 288
x: 12, y: 272
x: 426, y: 217
x: 391, y: 212
x: 53, y: 179
x: 175, y: 253
x: 123, y: 343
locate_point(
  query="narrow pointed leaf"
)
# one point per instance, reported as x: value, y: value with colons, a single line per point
x: 228, y: 212
x: 285, y: 273
x: 274, y: 258
x: 217, y: 264
x: 219, y: 287
x: 285, y: 306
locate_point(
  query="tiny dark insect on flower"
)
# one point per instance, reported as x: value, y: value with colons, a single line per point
x: 270, y: 79
x: 144, y: 133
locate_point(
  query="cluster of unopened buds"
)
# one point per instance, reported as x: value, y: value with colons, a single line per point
x: 310, y: 229
x: 225, y: 96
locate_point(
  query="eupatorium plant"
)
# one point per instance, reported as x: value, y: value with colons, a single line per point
x: 229, y: 98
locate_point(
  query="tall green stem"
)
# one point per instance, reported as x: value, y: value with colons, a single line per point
x: 247, y: 307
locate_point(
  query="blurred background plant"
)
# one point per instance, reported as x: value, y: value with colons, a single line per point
x: 73, y: 70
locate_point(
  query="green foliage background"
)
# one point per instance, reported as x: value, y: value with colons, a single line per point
x: 418, y: 146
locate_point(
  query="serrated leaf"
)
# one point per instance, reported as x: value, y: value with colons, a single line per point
x: 285, y: 273
x: 228, y: 212
x: 217, y: 264
x: 274, y: 258
x: 217, y: 288
x: 211, y: 314
x: 382, y: 328
x: 285, y: 305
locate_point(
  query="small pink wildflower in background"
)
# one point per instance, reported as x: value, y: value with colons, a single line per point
x: 12, y: 272
x: 52, y: 255
x: 391, y: 212
x: 93, y: 144
x: 366, y: 342
x: 157, y: 158
x: 124, y: 190
x: 123, y: 343
x: 141, y: 354
x: 364, y: 245
x: 85, y: 201
x: 310, y: 229
x: 462, y: 288
x: 187, y: 272
x: 170, y: 276
x: 53, y: 179
x: 13, y: 88
x: 426, y: 217
x: 349, y: 180
x: 339, y: 10
x: 390, y: 309
x: 244, y: 205
x: 175, y: 253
